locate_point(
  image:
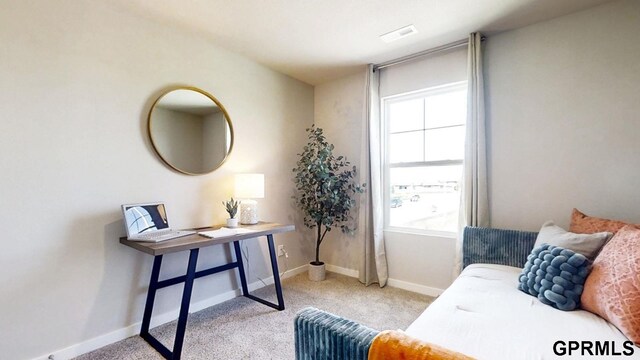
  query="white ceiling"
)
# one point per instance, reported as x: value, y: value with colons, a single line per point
x: 320, y: 40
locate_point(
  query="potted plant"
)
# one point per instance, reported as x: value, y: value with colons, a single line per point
x: 232, y: 208
x: 325, y: 191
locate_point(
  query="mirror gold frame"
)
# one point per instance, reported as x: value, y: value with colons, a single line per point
x: 154, y: 142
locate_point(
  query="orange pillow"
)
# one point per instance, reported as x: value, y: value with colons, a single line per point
x: 584, y: 224
x: 394, y: 344
x: 612, y: 289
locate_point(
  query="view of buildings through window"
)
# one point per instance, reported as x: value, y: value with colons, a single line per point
x: 425, y: 134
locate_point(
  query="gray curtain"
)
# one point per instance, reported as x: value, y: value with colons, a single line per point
x: 474, y: 204
x: 373, y: 267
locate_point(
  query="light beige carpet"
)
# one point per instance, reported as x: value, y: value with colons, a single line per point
x: 244, y: 329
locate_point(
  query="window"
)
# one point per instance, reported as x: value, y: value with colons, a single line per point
x: 424, y: 148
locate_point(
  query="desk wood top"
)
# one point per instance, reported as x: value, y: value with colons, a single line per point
x: 198, y: 241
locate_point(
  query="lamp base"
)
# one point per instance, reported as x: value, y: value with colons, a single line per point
x: 248, y: 212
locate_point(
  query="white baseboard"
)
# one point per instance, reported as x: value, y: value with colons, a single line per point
x: 405, y: 285
x: 417, y: 288
x: 293, y: 272
x: 342, y: 271
x: 156, y: 320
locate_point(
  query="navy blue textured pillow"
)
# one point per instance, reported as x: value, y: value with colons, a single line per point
x: 555, y: 275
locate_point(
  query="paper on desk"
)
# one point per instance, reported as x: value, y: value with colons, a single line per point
x: 242, y: 230
x: 224, y: 232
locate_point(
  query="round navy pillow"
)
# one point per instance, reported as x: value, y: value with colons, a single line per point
x: 555, y: 275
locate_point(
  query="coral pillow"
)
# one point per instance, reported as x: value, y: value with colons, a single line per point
x: 612, y: 290
x: 585, y: 224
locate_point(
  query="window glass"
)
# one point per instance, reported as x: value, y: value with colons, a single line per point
x: 426, y: 197
x: 406, y: 115
x: 406, y: 147
x: 446, y: 109
x: 444, y: 144
x: 424, y: 141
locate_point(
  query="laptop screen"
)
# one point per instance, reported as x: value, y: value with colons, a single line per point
x: 141, y: 218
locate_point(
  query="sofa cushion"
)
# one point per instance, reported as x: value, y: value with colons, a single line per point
x: 588, y: 245
x: 584, y: 224
x: 613, y: 288
x: 555, y: 276
x: 483, y: 315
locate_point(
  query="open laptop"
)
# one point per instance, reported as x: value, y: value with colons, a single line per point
x: 149, y: 222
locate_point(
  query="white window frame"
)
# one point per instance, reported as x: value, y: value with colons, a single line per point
x: 384, y: 102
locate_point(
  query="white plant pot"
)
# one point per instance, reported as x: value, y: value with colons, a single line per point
x: 232, y: 223
x: 316, y: 272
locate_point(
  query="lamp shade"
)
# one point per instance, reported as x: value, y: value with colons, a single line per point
x: 249, y: 186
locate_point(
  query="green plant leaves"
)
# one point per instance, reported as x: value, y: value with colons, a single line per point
x: 325, y: 186
x: 231, y: 206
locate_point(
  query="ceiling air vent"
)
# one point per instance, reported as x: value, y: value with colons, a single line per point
x: 399, y: 33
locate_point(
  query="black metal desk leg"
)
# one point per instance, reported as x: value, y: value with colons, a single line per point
x: 276, y: 274
x: 243, y: 276
x: 274, y: 268
x: 184, y: 307
x: 151, y: 295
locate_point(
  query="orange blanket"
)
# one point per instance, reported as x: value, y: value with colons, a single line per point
x: 391, y: 344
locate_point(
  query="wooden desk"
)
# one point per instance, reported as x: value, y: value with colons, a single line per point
x: 193, y: 243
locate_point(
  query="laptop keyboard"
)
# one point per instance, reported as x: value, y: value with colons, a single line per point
x: 163, y: 235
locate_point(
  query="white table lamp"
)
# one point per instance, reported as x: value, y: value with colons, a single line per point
x: 248, y: 187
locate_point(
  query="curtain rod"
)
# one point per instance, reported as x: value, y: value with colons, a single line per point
x: 449, y: 46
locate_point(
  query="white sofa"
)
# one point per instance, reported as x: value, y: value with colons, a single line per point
x: 482, y: 314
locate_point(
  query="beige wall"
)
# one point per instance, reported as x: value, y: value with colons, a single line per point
x: 339, y: 111
x: 77, y: 79
x: 562, y: 102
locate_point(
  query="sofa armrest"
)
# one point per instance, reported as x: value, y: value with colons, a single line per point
x: 320, y: 335
x: 496, y: 246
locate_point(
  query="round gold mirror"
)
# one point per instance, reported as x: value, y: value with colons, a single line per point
x: 190, y: 130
